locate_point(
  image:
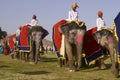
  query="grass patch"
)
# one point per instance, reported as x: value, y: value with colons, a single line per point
x: 47, y: 69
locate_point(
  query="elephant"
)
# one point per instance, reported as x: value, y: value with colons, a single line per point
x: 106, y: 39
x: 73, y: 38
x: 37, y: 33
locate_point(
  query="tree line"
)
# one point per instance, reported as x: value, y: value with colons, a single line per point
x: 3, y: 34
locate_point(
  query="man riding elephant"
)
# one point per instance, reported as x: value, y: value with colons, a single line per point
x: 37, y: 33
x: 31, y: 39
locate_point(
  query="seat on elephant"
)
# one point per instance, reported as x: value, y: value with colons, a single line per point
x: 91, y: 47
x: 24, y: 43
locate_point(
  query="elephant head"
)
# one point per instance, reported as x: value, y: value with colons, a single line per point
x: 74, y: 33
x: 107, y: 40
x: 37, y: 33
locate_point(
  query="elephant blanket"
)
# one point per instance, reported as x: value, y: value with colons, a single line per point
x: 24, y: 36
x: 24, y: 40
x: 12, y: 42
x: 57, y: 36
x: 90, y: 46
x: 117, y: 32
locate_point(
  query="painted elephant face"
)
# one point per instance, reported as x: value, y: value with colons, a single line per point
x: 104, y: 37
x: 38, y: 30
x: 73, y: 31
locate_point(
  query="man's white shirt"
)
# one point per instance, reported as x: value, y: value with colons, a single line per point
x: 18, y: 32
x: 34, y: 22
x: 100, y: 23
x: 73, y: 15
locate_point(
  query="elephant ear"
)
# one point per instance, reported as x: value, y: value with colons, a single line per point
x: 45, y: 33
x: 97, y: 35
x: 35, y: 29
x: 39, y: 29
x: 64, y: 29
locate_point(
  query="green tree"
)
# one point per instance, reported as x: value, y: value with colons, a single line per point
x: 2, y: 33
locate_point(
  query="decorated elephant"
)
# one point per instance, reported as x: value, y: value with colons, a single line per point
x: 107, y: 40
x: 73, y: 33
x: 37, y: 33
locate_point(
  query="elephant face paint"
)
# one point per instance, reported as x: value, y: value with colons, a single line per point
x: 36, y: 36
x: 76, y: 35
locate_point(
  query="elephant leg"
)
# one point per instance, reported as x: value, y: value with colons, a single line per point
x: 102, y: 64
x: 70, y: 56
x: 27, y: 55
x: 97, y: 64
x: 17, y: 55
x: 66, y: 60
x: 33, y: 53
x: 24, y: 56
x: 59, y: 62
x: 79, y: 51
x: 37, y: 50
x: 21, y: 56
x: 12, y: 55
x: 114, y: 67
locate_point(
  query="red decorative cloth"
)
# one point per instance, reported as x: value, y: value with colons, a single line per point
x: 90, y: 45
x: 11, y: 41
x: 24, y: 36
x: 57, y: 35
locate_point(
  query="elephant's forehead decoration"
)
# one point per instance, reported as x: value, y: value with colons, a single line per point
x: 42, y: 32
x: 71, y: 28
x: 80, y: 24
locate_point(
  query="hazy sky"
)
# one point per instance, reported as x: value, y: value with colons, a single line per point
x: 14, y: 13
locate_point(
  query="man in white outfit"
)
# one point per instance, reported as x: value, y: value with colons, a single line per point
x: 18, y: 32
x: 100, y: 21
x: 73, y: 14
x: 34, y: 20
